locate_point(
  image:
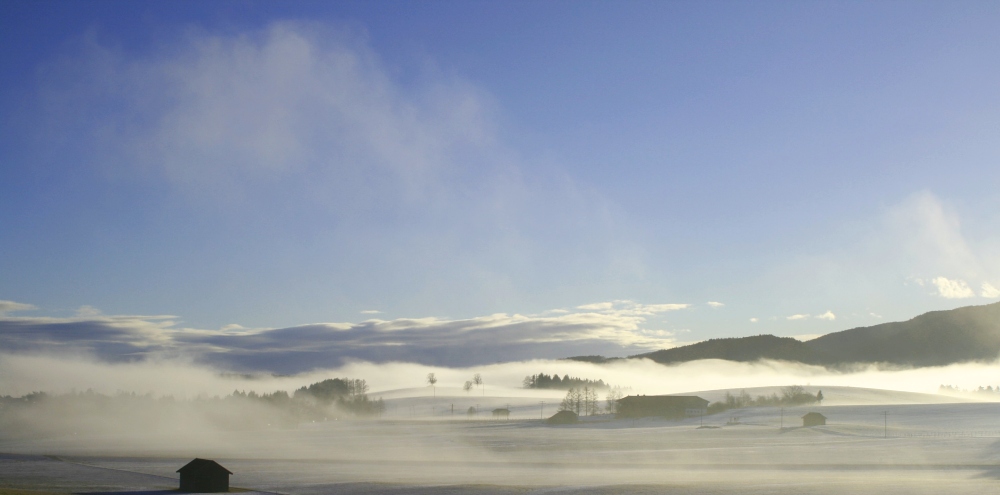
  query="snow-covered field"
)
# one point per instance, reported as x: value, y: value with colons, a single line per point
x: 875, y: 442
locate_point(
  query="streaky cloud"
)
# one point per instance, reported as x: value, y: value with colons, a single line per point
x: 447, y: 342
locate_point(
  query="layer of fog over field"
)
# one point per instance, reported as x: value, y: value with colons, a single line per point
x: 24, y: 374
x: 887, y: 431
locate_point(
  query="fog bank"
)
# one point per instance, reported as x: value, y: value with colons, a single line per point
x: 182, y: 378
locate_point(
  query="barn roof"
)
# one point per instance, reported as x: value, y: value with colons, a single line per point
x: 563, y: 417
x: 203, y: 466
x: 813, y: 415
x: 666, y: 400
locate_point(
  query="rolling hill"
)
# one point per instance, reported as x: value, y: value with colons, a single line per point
x: 740, y: 349
x: 971, y: 333
x: 936, y: 338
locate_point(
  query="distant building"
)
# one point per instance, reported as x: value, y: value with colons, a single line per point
x: 813, y: 419
x: 563, y: 418
x: 204, y: 476
x: 667, y: 406
x: 501, y: 413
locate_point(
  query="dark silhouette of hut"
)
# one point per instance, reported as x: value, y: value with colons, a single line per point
x: 501, y: 412
x: 204, y: 476
x: 813, y: 419
x: 667, y: 406
x: 563, y: 418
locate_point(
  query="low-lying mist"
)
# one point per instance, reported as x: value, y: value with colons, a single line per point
x: 151, y: 416
x: 183, y: 379
x: 174, y: 395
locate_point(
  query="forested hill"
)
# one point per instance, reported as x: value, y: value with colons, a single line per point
x: 936, y: 338
x: 740, y: 349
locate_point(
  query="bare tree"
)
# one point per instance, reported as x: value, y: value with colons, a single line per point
x: 567, y: 402
x: 612, y: 399
x: 478, y: 380
x: 432, y: 380
x: 589, y: 401
x: 467, y: 387
x: 573, y: 401
x: 357, y: 387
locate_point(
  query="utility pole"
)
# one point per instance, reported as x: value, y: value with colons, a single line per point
x: 541, y: 414
x: 885, y: 424
x: 782, y: 418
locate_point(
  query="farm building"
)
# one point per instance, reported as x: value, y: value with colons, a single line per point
x: 668, y: 406
x: 204, y: 476
x: 563, y: 418
x: 501, y: 413
x: 813, y: 419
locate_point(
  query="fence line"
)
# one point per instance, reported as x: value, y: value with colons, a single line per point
x: 950, y: 434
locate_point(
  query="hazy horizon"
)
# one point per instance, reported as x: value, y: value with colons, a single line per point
x: 202, y: 199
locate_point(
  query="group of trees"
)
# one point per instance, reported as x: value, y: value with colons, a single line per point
x: 240, y: 410
x: 793, y: 395
x: 567, y: 382
x: 585, y: 401
x: 477, y: 381
x: 349, y: 395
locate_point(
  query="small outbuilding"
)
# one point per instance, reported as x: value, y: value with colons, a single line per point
x: 563, y: 418
x: 204, y: 476
x: 501, y: 413
x: 667, y: 406
x: 813, y: 419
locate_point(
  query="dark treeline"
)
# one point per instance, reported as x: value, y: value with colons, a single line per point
x: 567, y: 382
x: 60, y: 413
x: 793, y: 395
x: 350, y: 395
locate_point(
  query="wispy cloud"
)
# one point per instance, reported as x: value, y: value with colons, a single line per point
x: 754, y: 320
x: 11, y: 306
x: 615, y: 329
x: 300, y: 126
x: 86, y: 310
x: 928, y: 236
x: 797, y: 317
x: 953, y: 289
x: 624, y: 307
x: 989, y: 291
x: 715, y: 304
x: 370, y: 312
x: 604, y: 306
x: 827, y: 316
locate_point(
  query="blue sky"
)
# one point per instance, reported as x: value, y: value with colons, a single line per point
x: 551, y: 177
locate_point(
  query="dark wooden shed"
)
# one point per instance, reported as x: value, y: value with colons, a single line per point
x: 501, y: 413
x: 204, y: 476
x: 668, y: 406
x: 813, y: 419
x: 563, y: 418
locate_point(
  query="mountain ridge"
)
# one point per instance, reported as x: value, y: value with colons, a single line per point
x: 935, y: 338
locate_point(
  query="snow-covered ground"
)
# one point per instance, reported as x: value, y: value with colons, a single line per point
x: 875, y: 442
